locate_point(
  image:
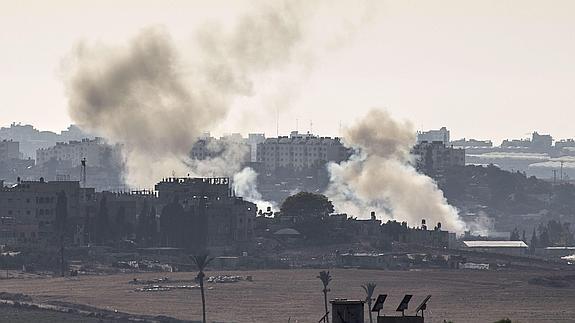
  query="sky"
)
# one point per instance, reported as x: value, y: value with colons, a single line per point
x: 484, y: 69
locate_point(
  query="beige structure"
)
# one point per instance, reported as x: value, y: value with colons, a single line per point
x: 96, y: 152
x: 300, y: 151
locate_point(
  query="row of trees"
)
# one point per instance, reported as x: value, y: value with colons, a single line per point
x: 174, y: 227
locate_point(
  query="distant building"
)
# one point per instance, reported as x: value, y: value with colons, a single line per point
x: 435, y: 157
x: 541, y: 142
x: 515, y: 248
x: 216, y: 218
x: 537, y: 143
x: 254, y: 139
x: 208, y: 147
x: 31, y: 205
x: 471, y: 143
x: 32, y: 139
x: 96, y: 151
x: 300, y: 151
x: 441, y: 135
x: 565, y: 143
x: 9, y: 150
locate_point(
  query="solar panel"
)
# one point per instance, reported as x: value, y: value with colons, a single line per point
x: 378, y: 306
x: 423, y: 306
x: 403, y: 305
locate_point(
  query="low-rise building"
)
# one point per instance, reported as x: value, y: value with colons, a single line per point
x: 514, y: 248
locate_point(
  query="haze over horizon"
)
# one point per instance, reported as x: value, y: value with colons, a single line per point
x: 484, y: 69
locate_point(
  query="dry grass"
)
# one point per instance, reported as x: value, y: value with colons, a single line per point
x: 276, y: 295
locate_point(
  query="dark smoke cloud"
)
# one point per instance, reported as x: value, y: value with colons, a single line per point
x: 156, y: 101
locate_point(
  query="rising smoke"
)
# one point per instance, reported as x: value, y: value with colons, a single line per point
x: 379, y: 176
x: 156, y: 102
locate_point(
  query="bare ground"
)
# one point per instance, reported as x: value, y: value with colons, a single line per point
x: 276, y: 295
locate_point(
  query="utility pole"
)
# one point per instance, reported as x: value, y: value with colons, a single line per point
x: 83, y: 162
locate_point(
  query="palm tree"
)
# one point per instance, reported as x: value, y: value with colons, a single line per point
x: 325, y: 278
x: 201, y: 261
x: 369, y: 288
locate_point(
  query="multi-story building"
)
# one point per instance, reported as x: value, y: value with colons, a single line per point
x: 254, y: 139
x: 213, y: 216
x: 208, y: 147
x: 9, y: 150
x: 300, y: 151
x: 31, y: 205
x: 95, y: 151
x: 435, y: 157
x: 441, y: 135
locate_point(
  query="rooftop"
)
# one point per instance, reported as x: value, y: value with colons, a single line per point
x: 495, y: 244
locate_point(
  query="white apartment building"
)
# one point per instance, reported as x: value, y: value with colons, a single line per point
x: 300, y: 151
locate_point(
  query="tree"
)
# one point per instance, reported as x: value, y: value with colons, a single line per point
x: 369, y: 288
x: 201, y: 261
x: 307, y: 205
x: 325, y: 278
x: 60, y: 222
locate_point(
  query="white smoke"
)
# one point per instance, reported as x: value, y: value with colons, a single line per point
x: 245, y: 185
x: 380, y: 176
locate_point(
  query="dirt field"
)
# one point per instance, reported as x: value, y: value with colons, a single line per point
x: 276, y: 296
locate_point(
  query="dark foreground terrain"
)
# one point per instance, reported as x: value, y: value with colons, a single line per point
x: 295, y: 295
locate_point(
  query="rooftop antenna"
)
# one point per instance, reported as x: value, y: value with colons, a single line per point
x: 296, y: 124
x: 83, y: 163
x: 310, y: 126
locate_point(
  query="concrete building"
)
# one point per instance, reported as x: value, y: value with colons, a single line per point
x: 9, y: 150
x: 435, y: 157
x: 96, y: 151
x: 441, y: 135
x: 208, y: 147
x: 216, y: 218
x: 254, y: 139
x: 300, y: 151
x: 31, y: 205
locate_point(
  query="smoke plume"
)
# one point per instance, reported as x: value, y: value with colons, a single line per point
x: 245, y: 185
x: 156, y: 102
x: 379, y: 176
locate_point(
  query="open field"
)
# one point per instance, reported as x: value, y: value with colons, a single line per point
x: 276, y: 295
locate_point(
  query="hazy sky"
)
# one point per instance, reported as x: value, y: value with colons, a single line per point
x: 485, y: 69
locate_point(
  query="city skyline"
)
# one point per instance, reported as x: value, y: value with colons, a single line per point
x: 484, y: 69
